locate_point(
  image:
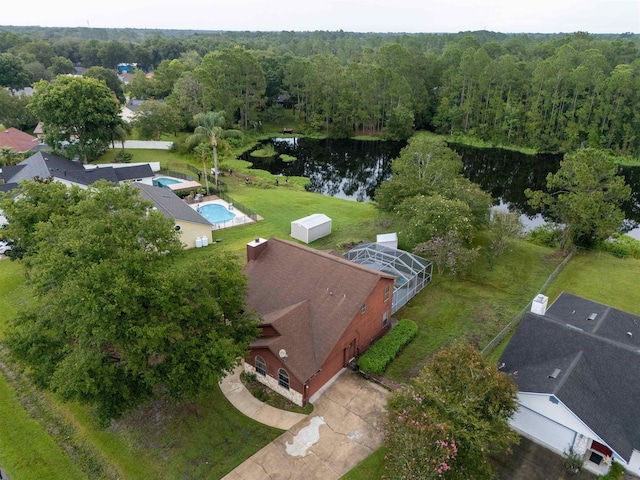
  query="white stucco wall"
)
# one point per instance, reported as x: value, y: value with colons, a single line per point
x: 272, y: 383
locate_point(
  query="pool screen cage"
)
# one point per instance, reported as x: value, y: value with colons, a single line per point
x: 413, y: 272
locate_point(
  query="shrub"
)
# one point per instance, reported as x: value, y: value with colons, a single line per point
x: 623, y: 246
x: 124, y: 157
x: 545, y: 236
x: 376, y: 359
x: 616, y: 472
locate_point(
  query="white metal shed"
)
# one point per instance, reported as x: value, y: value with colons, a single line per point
x: 311, y: 228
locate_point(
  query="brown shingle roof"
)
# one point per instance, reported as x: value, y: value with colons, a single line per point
x: 310, y: 297
x: 17, y: 140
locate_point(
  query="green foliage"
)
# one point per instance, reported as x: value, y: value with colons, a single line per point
x: 451, y: 419
x: 110, y: 78
x: 573, y: 460
x: 154, y: 118
x: 376, y: 359
x: 13, y: 73
x: 428, y: 191
x: 270, y: 397
x: 14, y: 112
x: 448, y: 253
x: 400, y: 124
x: 616, y: 472
x: 267, y: 151
x: 61, y: 66
x: 287, y: 158
x: 545, y: 236
x: 115, y: 317
x: 622, y: 246
x: 78, y: 110
x: 584, y: 195
x: 123, y: 157
x: 233, y: 81
x: 504, y: 228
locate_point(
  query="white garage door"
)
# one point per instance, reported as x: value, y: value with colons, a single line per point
x: 544, y: 430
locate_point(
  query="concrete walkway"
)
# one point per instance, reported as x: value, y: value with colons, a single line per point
x: 344, y: 428
x: 241, y: 398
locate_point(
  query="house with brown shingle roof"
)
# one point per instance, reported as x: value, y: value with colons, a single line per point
x: 318, y: 311
x: 17, y: 140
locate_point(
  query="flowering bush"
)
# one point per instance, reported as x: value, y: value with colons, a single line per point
x: 450, y: 420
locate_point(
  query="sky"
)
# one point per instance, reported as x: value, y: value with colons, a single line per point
x: 508, y: 16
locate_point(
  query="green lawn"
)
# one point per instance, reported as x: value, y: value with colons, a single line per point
x: 475, y: 308
x: 26, y: 450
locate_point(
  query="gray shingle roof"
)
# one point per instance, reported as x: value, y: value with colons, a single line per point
x: 169, y: 204
x: 44, y: 164
x: 599, y: 365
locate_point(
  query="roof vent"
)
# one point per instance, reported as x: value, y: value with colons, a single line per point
x: 629, y: 334
x: 555, y: 373
x: 592, y: 316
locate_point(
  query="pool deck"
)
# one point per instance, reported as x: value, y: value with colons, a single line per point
x: 240, y: 219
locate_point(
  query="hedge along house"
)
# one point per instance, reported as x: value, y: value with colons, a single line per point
x: 318, y: 312
x: 188, y: 223
x: 412, y: 272
x: 577, y: 368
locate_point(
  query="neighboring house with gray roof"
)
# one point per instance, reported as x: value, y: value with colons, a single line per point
x: 577, y: 367
x: 188, y: 222
x: 45, y: 165
x: 319, y: 311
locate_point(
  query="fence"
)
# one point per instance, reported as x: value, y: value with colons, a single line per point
x: 145, y: 144
x: 518, y: 318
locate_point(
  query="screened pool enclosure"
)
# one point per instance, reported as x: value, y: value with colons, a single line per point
x: 413, y: 273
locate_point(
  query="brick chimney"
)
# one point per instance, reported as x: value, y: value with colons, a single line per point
x: 255, y: 248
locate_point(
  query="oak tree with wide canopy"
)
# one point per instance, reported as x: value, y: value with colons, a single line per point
x: 120, y: 314
x: 82, y: 112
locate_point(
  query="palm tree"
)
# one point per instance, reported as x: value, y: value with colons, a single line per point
x: 209, y: 128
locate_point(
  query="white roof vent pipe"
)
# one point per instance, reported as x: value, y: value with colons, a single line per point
x: 539, y: 304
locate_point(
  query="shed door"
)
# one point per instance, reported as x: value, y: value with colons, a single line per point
x: 544, y: 430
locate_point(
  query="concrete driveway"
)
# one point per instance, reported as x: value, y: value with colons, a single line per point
x: 344, y: 428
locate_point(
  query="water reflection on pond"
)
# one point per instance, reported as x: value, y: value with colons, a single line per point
x: 353, y: 169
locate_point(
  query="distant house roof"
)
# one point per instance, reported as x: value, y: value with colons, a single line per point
x: 169, y: 204
x: 44, y: 165
x: 18, y: 140
x: 596, y: 365
x: 309, y: 297
x: 135, y: 104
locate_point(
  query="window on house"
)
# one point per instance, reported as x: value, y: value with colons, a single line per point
x: 261, y: 365
x: 364, y: 308
x: 385, y: 319
x: 387, y: 291
x: 283, y: 378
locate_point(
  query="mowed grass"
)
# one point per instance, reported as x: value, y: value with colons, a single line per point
x: 600, y: 277
x: 475, y: 308
x: 371, y: 468
x: 26, y: 450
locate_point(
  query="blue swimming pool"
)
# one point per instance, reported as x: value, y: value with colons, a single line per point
x: 164, y: 181
x: 216, y: 213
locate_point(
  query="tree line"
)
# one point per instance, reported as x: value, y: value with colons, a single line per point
x: 549, y: 92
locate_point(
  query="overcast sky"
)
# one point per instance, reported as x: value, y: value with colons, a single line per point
x: 542, y: 16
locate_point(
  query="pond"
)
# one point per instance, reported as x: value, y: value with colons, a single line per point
x: 353, y: 169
